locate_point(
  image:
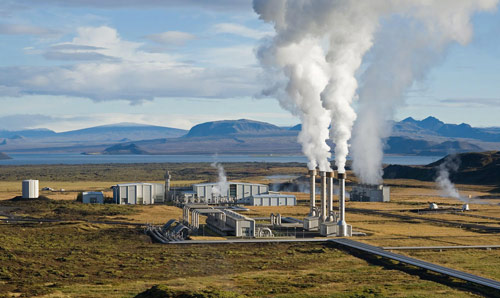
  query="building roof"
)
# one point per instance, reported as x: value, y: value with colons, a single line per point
x: 92, y: 193
x: 137, y: 183
x: 273, y: 196
x: 229, y: 182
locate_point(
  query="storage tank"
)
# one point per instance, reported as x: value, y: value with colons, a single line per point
x: 30, y: 189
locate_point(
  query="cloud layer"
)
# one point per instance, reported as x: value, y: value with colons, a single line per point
x: 108, y: 67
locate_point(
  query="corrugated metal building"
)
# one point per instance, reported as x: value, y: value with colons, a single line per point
x: 270, y: 200
x: 370, y: 193
x: 236, y: 190
x: 92, y: 197
x: 138, y: 193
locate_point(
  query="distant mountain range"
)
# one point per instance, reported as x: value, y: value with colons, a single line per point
x: 425, y: 137
x: 4, y: 156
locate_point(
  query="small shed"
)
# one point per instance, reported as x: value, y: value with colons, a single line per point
x: 92, y: 197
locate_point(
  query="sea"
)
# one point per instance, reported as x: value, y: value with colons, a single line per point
x: 40, y: 159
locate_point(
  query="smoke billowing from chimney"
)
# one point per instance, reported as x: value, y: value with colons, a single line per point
x: 319, y: 47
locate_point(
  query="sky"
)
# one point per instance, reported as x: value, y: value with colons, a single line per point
x: 70, y: 64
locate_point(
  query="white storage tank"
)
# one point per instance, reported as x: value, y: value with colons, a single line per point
x: 30, y: 189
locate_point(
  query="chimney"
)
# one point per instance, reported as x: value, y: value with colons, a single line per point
x: 312, y: 174
x: 323, y: 217
x: 341, y: 222
x: 329, y: 176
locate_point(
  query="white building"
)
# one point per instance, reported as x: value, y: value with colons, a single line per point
x: 270, y: 200
x: 370, y: 193
x: 206, y: 192
x: 30, y: 189
x: 92, y: 197
x: 138, y: 193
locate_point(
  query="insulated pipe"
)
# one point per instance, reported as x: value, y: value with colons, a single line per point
x: 323, y: 195
x: 312, y: 174
x: 329, y: 176
x: 341, y: 222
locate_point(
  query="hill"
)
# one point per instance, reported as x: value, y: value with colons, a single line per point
x: 4, y: 156
x: 124, y: 149
x: 233, y: 127
x: 474, y: 168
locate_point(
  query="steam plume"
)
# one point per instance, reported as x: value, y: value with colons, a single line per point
x: 320, y: 46
x: 405, y: 49
x: 222, y: 186
x: 448, y: 189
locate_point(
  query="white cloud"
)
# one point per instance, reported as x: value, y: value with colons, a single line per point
x: 19, y: 29
x: 122, y: 70
x: 240, y: 30
x: 176, y: 38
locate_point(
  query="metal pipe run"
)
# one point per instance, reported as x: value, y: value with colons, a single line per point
x: 329, y: 176
x: 312, y: 174
x: 341, y: 222
x: 322, y: 174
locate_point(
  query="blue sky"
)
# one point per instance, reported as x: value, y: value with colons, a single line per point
x: 68, y: 64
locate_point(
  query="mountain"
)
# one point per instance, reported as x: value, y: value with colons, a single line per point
x: 120, y: 131
x: 429, y: 136
x: 4, y: 156
x: 233, y: 127
x: 433, y: 126
x: 27, y: 133
x: 481, y: 168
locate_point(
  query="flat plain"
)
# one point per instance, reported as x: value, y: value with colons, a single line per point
x: 81, y: 256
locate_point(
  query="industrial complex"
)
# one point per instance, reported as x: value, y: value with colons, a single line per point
x: 220, y: 206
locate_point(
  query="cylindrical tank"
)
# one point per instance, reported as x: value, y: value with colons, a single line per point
x: 30, y: 189
x: 433, y: 206
x: 465, y: 207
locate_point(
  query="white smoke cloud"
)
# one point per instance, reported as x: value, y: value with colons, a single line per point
x: 320, y: 46
x: 447, y: 188
x: 222, y: 186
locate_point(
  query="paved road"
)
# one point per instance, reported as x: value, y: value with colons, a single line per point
x: 415, y: 262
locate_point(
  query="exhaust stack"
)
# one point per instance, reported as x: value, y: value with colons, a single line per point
x: 341, y: 223
x: 312, y: 174
x: 323, y: 196
x: 329, y: 176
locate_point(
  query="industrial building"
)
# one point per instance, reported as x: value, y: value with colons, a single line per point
x: 138, y: 193
x: 221, y: 220
x: 30, y: 189
x: 92, y: 197
x: 370, y: 193
x: 270, y: 199
x: 208, y: 192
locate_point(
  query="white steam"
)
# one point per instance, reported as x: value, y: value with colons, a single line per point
x: 447, y: 188
x: 222, y: 186
x: 319, y: 47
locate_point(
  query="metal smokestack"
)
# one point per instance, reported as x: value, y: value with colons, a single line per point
x: 312, y: 174
x: 323, y: 195
x: 329, y: 176
x: 341, y: 223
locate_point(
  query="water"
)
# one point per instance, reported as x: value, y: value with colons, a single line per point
x: 37, y: 159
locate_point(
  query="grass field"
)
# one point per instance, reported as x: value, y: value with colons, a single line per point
x: 77, y: 258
